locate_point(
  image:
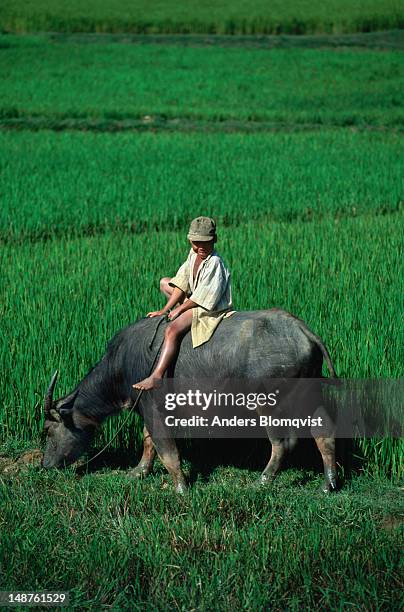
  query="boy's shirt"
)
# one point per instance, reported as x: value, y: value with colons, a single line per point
x: 211, y: 290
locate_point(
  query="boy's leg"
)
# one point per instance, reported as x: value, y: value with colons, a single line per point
x: 172, y: 337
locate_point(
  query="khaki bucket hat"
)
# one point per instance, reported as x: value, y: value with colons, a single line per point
x: 202, y: 228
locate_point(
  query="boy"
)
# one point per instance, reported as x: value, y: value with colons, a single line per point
x: 202, y: 289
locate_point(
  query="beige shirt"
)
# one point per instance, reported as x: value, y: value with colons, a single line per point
x: 211, y: 290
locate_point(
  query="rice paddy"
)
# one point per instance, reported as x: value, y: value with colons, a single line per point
x: 220, y: 17
x: 113, y: 543
x: 115, y: 82
x: 124, y: 188
x: 107, y: 151
x: 72, y: 184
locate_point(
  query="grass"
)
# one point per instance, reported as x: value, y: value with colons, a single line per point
x: 134, y: 545
x: 115, y: 82
x: 72, y: 184
x: 220, y: 17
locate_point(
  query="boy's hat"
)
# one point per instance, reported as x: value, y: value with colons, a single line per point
x: 202, y: 228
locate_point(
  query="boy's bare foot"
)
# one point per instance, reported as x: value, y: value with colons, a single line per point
x: 151, y: 382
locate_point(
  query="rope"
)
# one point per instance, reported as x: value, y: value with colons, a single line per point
x: 135, y: 403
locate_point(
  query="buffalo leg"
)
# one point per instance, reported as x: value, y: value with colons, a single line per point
x: 278, y: 451
x: 326, y: 446
x: 145, y: 465
x: 168, y: 453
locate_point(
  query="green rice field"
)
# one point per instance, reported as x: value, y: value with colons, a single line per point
x: 334, y: 193
x: 116, y: 544
x: 206, y: 16
x: 108, y: 82
x: 72, y: 183
x: 108, y: 149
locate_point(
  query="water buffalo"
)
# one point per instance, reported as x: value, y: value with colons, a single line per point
x: 271, y: 343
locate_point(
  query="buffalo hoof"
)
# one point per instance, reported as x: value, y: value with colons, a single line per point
x: 140, y: 471
x: 266, y: 479
x: 181, y: 488
x: 330, y: 481
x: 329, y: 487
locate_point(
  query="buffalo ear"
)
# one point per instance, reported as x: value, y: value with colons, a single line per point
x: 66, y: 403
x: 83, y: 422
x: 66, y: 416
x: 65, y: 412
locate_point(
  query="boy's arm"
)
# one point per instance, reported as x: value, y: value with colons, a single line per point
x: 186, y: 305
x: 175, y: 297
x: 180, y: 285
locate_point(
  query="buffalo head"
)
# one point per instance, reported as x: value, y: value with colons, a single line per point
x: 69, y: 433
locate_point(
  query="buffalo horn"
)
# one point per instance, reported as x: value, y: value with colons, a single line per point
x: 48, y: 403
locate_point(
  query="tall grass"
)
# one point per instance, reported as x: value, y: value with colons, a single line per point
x: 117, y: 82
x: 73, y: 184
x: 222, y: 17
x: 63, y: 300
x: 122, y: 545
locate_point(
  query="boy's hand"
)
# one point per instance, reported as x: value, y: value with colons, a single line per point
x: 173, y: 314
x: 155, y: 313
